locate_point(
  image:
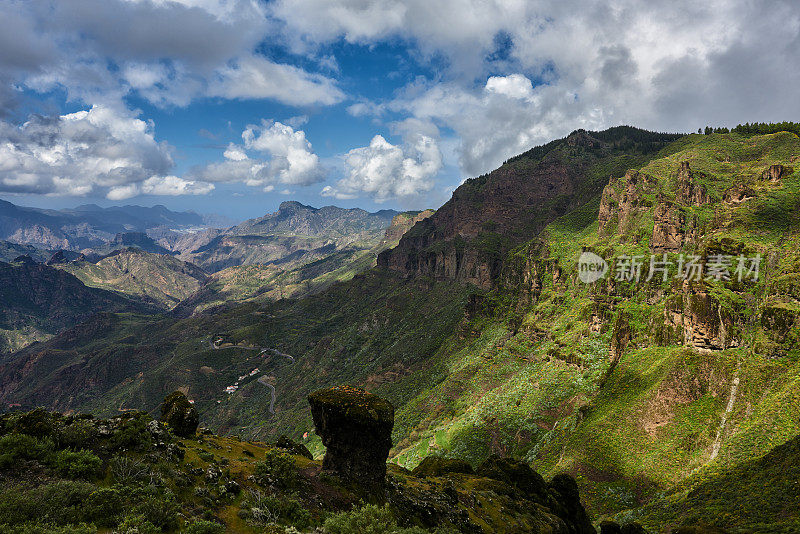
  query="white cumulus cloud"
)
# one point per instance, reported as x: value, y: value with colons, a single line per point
x: 271, y: 153
x: 97, y: 151
x: 385, y: 171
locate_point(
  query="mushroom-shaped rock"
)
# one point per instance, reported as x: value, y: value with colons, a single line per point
x: 356, y: 428
x: 179, y: 414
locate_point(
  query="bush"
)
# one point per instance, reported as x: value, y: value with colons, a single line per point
x: 40, y: 528
x: 204, y: 527
x: 127, y: 471
x: 61, y: 503
x: 132, y: 433
x: 160, y: 508
x: 267, y: 509
x: 80, y: 434
x: 16, y: 447
x: 369, y: 519
x: 37, y: 423
x: 105, y: 506
x: 136, y: 524
x: 276, y: 469
x: 81, y: 464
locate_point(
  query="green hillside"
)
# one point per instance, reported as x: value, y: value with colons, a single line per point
x: 157, y: 278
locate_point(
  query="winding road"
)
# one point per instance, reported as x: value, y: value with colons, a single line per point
x: 263, y: 379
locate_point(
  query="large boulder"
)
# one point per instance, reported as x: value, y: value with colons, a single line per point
x: 515, y: 473
x: 287, y: 444
x: 356, y: 428
x: 179, y: 414
x: 436, y: 466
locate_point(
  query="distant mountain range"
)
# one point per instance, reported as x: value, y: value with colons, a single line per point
x: 91, y: 226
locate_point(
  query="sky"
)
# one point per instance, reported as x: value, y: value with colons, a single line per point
x: 233, y: 106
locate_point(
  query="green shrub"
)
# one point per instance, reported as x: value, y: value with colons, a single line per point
x: 204, y: 527
x: 128, y: 470
x: 105, y: 505
x: 132, y: 434
x: 276, y: 469
x: 81, y: 464
x: 136, y: 524
x: 61, y: 503
x: 159, y: 507
x: 267, y: 509
x: 80, y: 434
x: 369, y: 519
x: 40, y: 528
x: 16, y: 447
x: 37, y: 423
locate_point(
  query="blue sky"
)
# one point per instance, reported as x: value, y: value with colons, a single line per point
x: 233, y: 106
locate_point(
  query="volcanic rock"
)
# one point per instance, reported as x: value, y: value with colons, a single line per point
x: 356, y: 428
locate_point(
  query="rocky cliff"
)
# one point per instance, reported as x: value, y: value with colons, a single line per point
x: 487, y: 216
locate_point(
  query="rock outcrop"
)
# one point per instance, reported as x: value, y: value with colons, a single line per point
x: 287, y: 444
x: 621, y: 203
x: 559, y: 497
x: 690, y: 192
x: 669, y: 228
x: 179, y: 414
x: 737, y: 194
x: 696, y: 318
x: 776, y: 172
x: 435, y: 466
x: 356, y: 428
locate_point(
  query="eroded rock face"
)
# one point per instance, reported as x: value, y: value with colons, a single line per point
x: 179, y: 414
x: 699, y: 320
x: 669, y: 229
x: 356, y: 428
x: 776, y: 172
x: 690, y: 192
x: 738, y: 194
x: 621, y: 203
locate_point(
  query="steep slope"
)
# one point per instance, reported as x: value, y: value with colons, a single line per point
x: 157, y: 278
x: 39, y: 301
x: 634, y: 386
x: 759, y: 495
